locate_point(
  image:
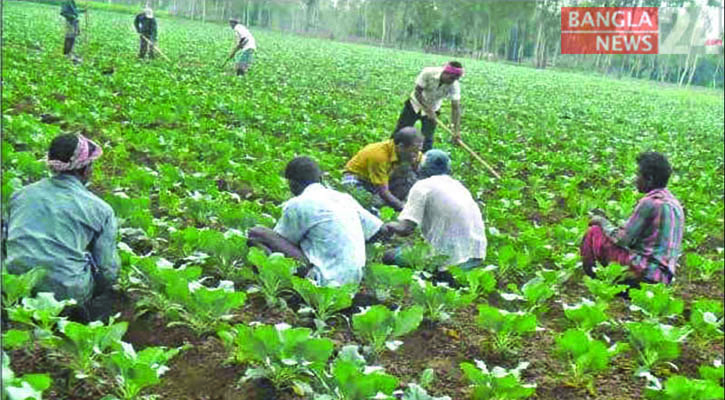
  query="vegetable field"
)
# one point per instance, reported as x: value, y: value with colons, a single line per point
x: 193, y: 157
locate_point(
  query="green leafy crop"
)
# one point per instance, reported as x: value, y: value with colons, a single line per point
x: 498, y: 383
x: 505, y: 327
x: 379, y: 327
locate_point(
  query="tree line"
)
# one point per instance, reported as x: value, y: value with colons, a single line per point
x: 515, y: 31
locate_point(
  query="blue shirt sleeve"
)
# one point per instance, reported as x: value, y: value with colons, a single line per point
x: 103, y: 250
x: 292, y: 224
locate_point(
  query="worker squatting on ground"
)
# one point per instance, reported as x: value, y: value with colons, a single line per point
x: 146, y: 27
x: 371, y: 167
x: 650, y: 243
x: 433, y: 85
x: 321, y: 227
x: 70, y: 12
x: 243, y: 53
x: 446, y: 213
x: 59, y: 225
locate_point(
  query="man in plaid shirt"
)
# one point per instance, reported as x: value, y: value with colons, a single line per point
x: 650, y: 243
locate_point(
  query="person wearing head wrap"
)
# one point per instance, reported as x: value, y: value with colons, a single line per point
x: 146, y: 27
x: 447, y: 214
x: 246, y: 45
x: 432, y: 85
x: 58, y: 225
x: 70, y: 12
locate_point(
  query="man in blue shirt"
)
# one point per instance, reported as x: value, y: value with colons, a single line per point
x: 320, y: 226
x: 59, y: 225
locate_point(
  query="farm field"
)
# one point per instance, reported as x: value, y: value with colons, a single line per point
x: 193, y: 157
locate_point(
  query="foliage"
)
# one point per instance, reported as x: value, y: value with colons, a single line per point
x: 15, y: 287
x: 585, y: 356
x: 85, y: 345
x: 706, y: 318
x: 704, y: 267
x: 497, y: 384
x: 134, y: 371
x: 41, y: 313
x: 387, y: 282
x: 274, y: 275
x: 678, y: 387
x: 324, y: 301
x: 287, y: 356
x: 655, y: 343
x: 228, y: 250
x: 656, y: 301
x: 478, y: 281
x: 351, y: 378
x: 605, y: 286
x: 587, y: 315
x: 26, y: 387
x: 506, y: 327
x: 379, y: 327
x: 438, y: 300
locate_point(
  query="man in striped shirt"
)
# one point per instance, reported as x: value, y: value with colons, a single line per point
x: 650, y: 243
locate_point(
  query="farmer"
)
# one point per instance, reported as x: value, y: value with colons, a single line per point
x: 320, y: 226
x: 244, y: 51
x: 370, y: 168
x: 650, y: 243
x: 70, y: 12
x: 449, y: 218
x: 432, y: 85
x: 59, y: 225
x: 145, y: 25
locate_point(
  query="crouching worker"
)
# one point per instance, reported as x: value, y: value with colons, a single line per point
x: 371, y: 167
x: 650, y: 243
x: 449, y: 218
x: 59, y: 225
x: 319, y: 226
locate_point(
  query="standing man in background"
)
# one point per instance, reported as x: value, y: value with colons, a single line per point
x: 70, y: 12
x: 145, y: 25
x: 432, y: 85
x: 244, y: 51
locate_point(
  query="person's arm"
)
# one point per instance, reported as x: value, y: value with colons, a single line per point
x: 103, y: 251
x: 260, y: 235
x: 137, y: 23
x: 419, y: 96
x: 401, y: 228
x: 627, y: 235
x: 389, y: 198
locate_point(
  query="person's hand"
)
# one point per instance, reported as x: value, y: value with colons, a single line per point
x: 456, y: 139
x: 429, y: 112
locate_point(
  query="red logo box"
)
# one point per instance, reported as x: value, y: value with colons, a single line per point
x: 609, y: 30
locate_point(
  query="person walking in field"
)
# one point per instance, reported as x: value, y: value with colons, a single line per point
x: 57, y: 224
x: 243, y: 53
x: 146, y: 27
x: 433, y: 85
x: 371, y: 167
x: 70, y: 12
x: 446, y: 213
x: 650, y: 243
x: 320, y: 227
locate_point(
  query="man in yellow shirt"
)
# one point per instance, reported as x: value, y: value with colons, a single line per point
x: 370, y: 168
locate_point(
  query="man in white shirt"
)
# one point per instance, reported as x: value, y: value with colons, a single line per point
x: 432, y: 85
x: 246, y: 45
x: 449, y: 218
x: 320, y: 226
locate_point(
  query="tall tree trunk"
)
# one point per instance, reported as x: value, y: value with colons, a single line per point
x: 203, y: 10
x: 689, y: 50
x: 692, y: 70
x: 382, y: 37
